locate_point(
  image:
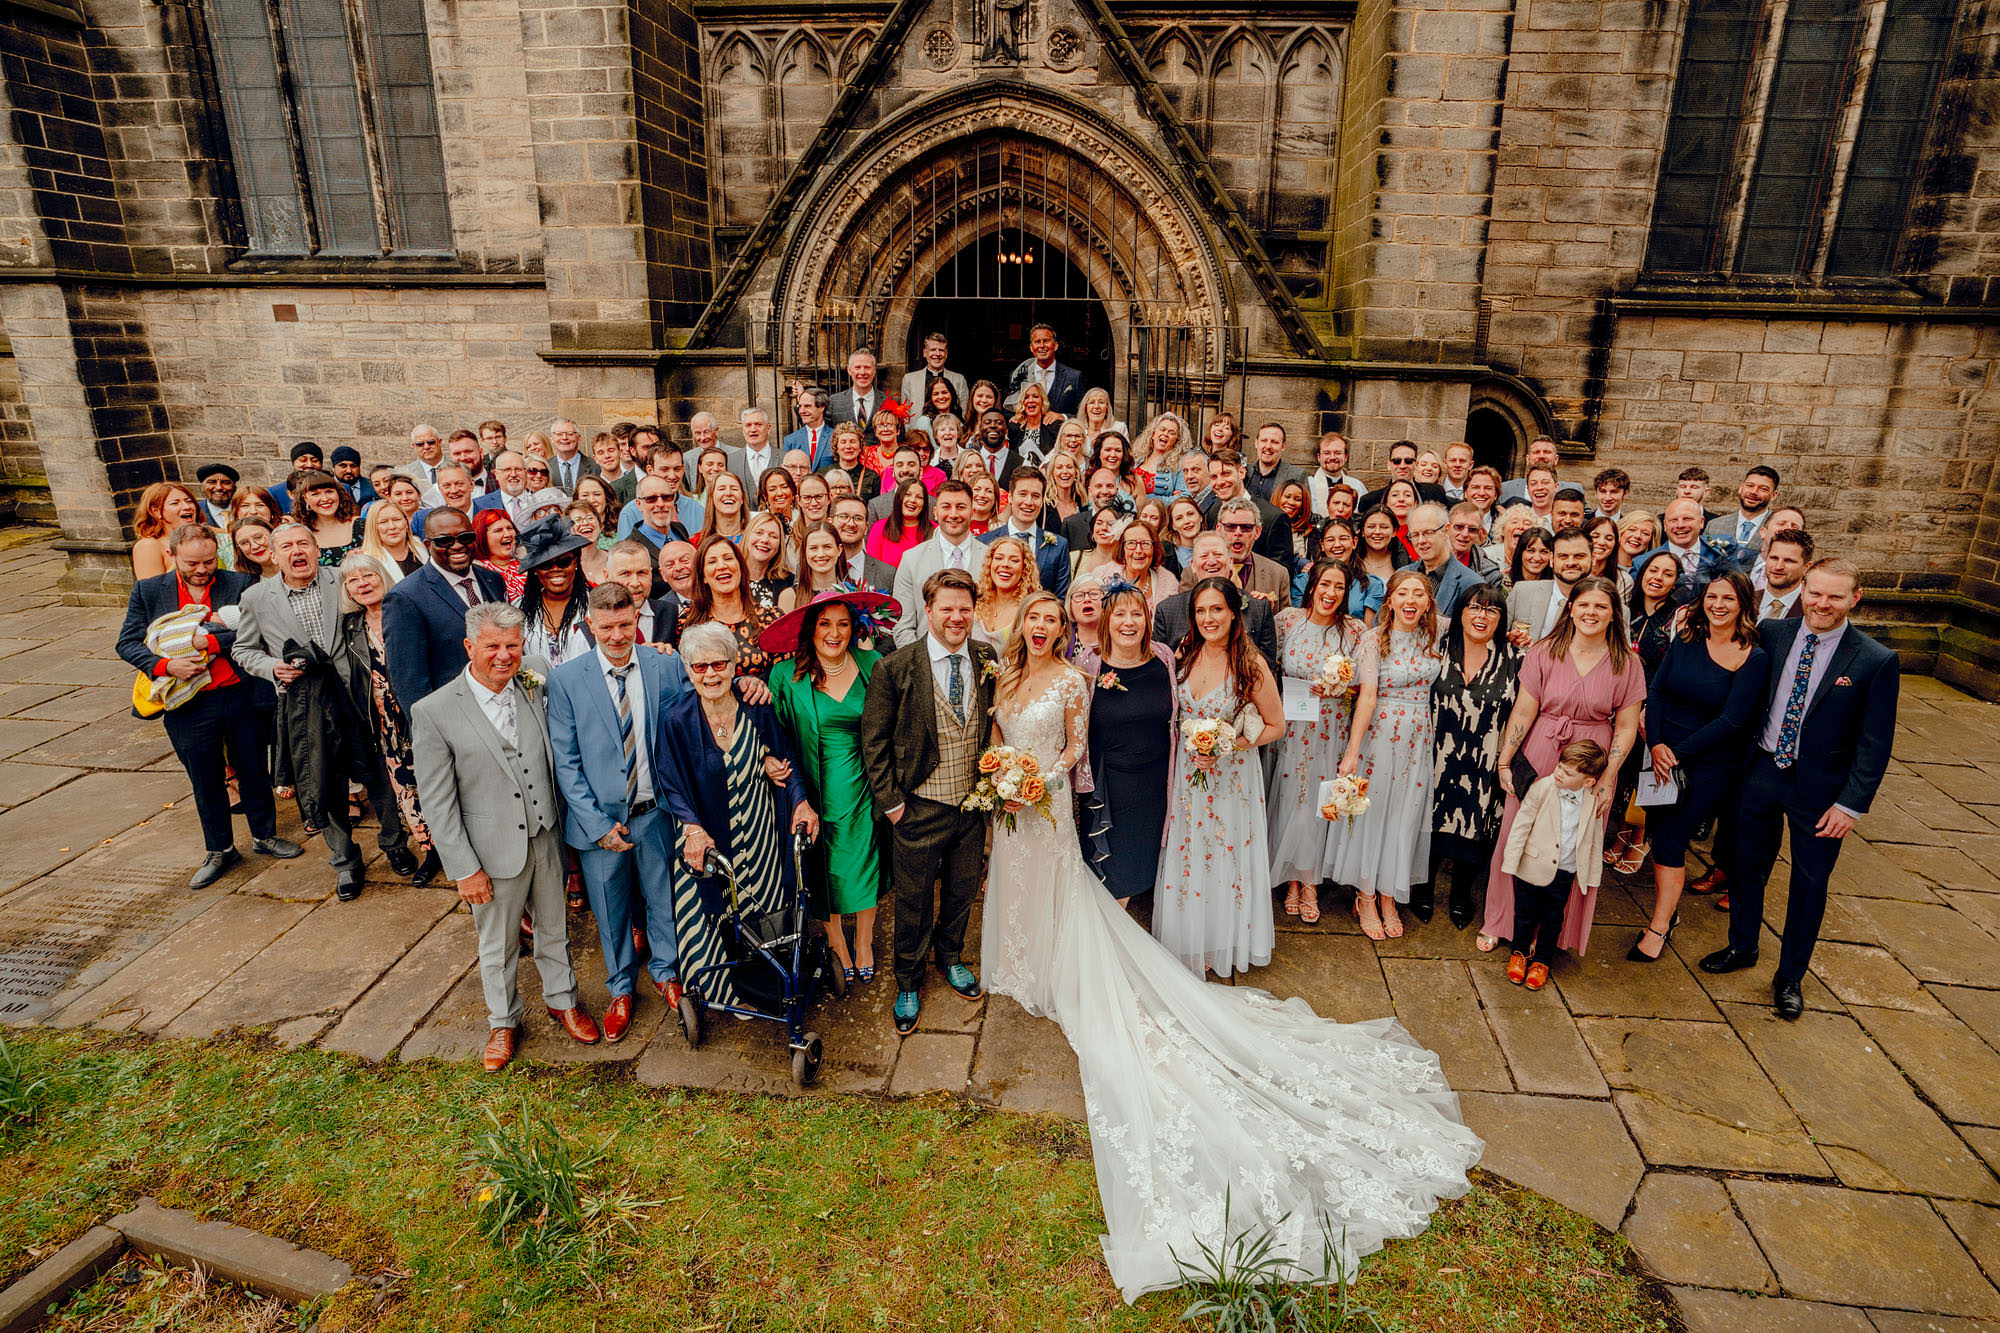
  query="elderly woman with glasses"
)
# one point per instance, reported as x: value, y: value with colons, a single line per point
x: 364, y: 582
x: 728, y: 772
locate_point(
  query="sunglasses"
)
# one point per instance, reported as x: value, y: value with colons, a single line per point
x: 1237, y: 527
x: 454, y: 539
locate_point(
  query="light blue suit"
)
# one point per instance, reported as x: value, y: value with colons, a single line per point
x: 590, y: 770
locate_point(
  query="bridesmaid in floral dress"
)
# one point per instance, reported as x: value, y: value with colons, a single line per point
x: 1303, y: 845
x: 1388, y: 849
x: 1212, y: 907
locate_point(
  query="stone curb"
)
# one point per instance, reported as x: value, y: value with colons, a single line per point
x: 83, y: 1260
x: 248, y: 1258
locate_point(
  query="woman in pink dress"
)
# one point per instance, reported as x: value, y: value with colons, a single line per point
x: 1583, y: 682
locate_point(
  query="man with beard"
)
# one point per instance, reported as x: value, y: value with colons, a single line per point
x: 1753, y: 507
x: 423, y: 617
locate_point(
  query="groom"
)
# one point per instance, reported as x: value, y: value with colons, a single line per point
x: 925, y: 723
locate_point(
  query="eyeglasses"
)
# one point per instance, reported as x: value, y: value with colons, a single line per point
x: 1237, y: 527
x: 655, y: 499
x: 1425, y: 532
x: 703, y: 668
x: 454, y: 539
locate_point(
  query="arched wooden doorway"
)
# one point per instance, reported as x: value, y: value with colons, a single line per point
x: 987, y: 297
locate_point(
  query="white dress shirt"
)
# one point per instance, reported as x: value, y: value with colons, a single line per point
x: 1776, y: 606
x: 499, y: 708
x: 758, y: 463
x: 1569, y: 805
x: 1689, y: 556
x: 941, y: 669
x: 992, y: 457
x: 856, y: 567
x: 1558, y: 599
x: 426, y: 474
x: 635, y: 695
x: 565, y: 474
x: 517, y: 506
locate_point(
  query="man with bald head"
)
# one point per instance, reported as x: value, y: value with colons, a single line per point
x: 514, y: 499
x: 428, y: 446
x: 1701, y: 558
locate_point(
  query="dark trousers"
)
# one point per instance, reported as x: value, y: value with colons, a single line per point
x: 1538, y: 914
x: 215, y: 731
x: 933, y: 841
x: 1470, y: 862
x: 1770, y: 802
x: 342, y: 850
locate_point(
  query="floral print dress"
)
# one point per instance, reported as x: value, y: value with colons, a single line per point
x: 1303, y: 845
x: 1388, y: 847
x: 1212, y: 905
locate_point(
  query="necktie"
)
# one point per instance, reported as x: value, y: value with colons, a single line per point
x: 957, y: 562
x: 1773, y: 608
x: 470, y: 588
x: 1795, y: 705
x: 1745, y: 530
x: 627, y: 742
x: 510, y: 728
x: 956, y: 693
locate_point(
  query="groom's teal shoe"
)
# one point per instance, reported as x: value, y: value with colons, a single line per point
x: 907, y: 1008
x: 960, y: 978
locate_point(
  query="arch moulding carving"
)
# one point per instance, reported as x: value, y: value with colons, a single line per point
x: 851, y: 189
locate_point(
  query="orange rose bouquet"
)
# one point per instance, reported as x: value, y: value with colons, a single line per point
x: 1008, y: 776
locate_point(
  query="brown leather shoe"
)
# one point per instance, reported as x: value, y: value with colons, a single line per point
x: 1517, y: 967
x: 1708, y: 883
x: 617, y: 1018
x: 670, y: 991
x: 638, y: 940
x: 1538, y: 976
x: 578, y: 1023
x: 499, y: 1049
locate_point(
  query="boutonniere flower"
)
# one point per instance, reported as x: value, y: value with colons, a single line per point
x: 1048, y: 539
x: 1108, y: 680
x: 990, y: 669
x: 527, y: 679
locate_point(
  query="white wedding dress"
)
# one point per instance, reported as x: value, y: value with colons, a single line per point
x: 1195, y: 1092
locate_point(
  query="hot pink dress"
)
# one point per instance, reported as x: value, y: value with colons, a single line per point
x: 1572, y: 709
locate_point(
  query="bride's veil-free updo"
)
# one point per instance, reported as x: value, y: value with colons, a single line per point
x: 1014, y: 656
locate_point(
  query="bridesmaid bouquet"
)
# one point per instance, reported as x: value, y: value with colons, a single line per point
x: 1207, y: 738
x: 1343, y: 798
x: 1336, y: 674
x: 1007, y: 774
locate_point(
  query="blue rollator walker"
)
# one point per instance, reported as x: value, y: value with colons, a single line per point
x: 781, y: 955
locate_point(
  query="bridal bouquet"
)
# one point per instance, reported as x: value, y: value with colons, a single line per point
x: 1336, y: 674
x: 1343, y: 798
x: 1207, y: 738
x: 1007, y: 774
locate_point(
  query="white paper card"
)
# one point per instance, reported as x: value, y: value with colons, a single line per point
x: 1653, y: 792
x: 1301, y: 704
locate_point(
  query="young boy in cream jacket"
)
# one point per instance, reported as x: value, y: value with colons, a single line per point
x: 1557, y: 843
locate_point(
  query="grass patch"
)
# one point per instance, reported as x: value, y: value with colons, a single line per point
x: 712, y: 1211
x: 139, y: 1296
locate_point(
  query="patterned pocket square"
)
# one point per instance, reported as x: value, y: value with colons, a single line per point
x: 1844, y: 680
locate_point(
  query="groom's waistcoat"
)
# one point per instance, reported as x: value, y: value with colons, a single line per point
x: 958, y: 749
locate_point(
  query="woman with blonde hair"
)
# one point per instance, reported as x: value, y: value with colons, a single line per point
x: 1158, y: 455
x: 1006, y: 579
x: 386, y: 537
x: 1387, y: 849
x: 763, y: 543
x: 1095, y: 413
x: 535, y: 444
x: 587, y: 523
x: 1035, y: 426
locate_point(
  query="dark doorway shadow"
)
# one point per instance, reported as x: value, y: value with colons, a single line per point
x: 991, y: 293
x: 1494, y: 441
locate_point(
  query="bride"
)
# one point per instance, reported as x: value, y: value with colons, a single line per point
x: 1194, y: 1092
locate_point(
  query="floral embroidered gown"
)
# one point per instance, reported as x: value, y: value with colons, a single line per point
x: 1198, y: 1093
x: 1303, y: 845
x: 1388, y: 847
x: 1212, y: 905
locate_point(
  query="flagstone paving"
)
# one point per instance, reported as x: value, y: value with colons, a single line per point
x: 1831, y: 1174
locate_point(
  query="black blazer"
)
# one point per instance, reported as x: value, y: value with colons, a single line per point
x: 160, y: 595
x: 1170, y: 625
x: 899, y: 745
x: 1850, y: 720
x: 423, y: 630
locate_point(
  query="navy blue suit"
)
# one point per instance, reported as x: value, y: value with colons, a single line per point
x: 423, y: 630
x: 1843, y: 750
x: 1051, y: 557
x: 223, y: 726
x: 590, y: 770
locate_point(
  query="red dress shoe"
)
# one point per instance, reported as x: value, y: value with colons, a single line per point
x: 1538, y: 976
x: 1722, y: 902
x: 617, y: 1018
x: 1708, y: 883
x: 670, y: 991
x: 578, y: 1023
x: 499, y: 1049
x: 1517, y: 967
x: 638, y: 940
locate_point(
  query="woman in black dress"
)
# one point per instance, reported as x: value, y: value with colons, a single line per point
x: 1652, y: 610
x: 1473, y: 697
x: 1131, y: 746
x: 1700, y: 705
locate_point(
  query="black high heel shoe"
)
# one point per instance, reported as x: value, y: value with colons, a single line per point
x: 1633, y: 955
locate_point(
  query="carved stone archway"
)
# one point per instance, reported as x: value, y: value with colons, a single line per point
x: 949, y: 169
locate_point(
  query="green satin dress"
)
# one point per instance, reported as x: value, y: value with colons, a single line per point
x: 828, y: 732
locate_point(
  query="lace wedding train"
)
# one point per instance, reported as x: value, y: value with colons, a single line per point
x: 1198, y: 1093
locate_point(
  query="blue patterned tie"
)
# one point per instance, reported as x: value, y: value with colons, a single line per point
x: 627, y: 742
x: 1795, y: 706
x: 956, y: 693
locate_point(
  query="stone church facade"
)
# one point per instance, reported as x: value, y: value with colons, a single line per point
x: 1668, y: 232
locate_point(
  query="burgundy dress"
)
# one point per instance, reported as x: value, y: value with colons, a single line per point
x: 1572, y: 709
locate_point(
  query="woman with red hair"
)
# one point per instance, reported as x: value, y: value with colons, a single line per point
x: 494, y: 540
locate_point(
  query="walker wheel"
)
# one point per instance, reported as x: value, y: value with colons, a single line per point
x: 805, y: 1061
x: 690, y: 1015
x: 835, y: 976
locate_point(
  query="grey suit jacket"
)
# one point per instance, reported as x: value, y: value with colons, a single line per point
x: 471, y: 795
x: 268, y: 621
x: 737, y: 464
x: 1529, y: 601
x: 586, y: 466
x: 841, y: 406
x: 919, y: 563
x: 913, y: 389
